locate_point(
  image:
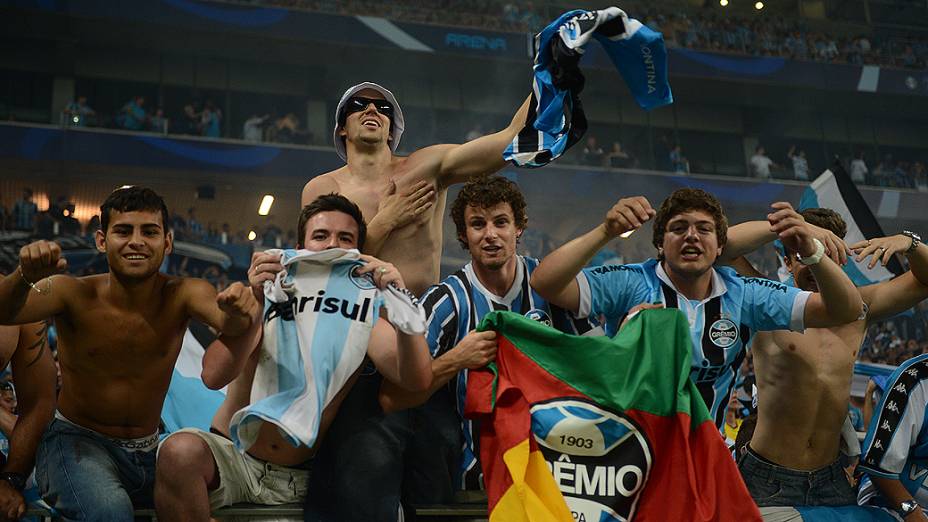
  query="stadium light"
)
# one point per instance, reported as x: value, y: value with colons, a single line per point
x: 759, y: 6
x: 266, y: 205
x: 723, y: 3
x: 252, y: 235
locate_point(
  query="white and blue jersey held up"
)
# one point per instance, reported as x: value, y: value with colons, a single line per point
x: 318, y: 318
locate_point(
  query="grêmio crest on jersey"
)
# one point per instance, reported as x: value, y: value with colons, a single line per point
x: 600, y: 459
x: 723, y: 333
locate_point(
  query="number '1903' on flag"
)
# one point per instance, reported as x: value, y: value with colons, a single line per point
x: 599, y: 429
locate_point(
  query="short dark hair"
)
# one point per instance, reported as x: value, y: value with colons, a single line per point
x: 331, y: 203
x: 486, y: 192
x: 684, y: 200
x: 130, y: 199
x: 826, y: 218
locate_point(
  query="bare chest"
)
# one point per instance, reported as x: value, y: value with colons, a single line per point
x: 112, y: 338
x: 826, y: 354
x: 368, y: 193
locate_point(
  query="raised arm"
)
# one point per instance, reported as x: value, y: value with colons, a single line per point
x: 475, y: 350
x: 838, y: 301
x: 225, y: 357
x: 747, y: 237
x: 555, y: 277
x: 483, y: 155
x: 26, y: 295
x: 892, y: 297
x: 232, y: 312
x: 34, y: 379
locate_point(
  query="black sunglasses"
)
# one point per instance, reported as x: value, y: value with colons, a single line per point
x: 359, y: 103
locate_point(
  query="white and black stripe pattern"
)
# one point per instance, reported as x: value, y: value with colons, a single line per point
x: 900, y: 419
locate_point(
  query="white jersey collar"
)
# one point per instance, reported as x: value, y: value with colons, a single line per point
x: 513, y: 291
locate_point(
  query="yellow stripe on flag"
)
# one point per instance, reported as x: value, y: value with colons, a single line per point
x: 533, y: 496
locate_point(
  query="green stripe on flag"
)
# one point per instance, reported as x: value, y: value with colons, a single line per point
x: 609, y: 371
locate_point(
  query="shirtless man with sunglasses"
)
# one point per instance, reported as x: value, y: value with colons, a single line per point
x: 402, y: 197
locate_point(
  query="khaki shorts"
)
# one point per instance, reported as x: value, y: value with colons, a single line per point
x: 243, y: 478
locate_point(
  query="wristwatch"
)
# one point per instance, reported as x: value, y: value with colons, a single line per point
x: 916, y: 240
x: 907, y: 507
x: 17, y: 480
x: 817, y: 256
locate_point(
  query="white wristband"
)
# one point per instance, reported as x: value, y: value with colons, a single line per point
x: 815, y: 258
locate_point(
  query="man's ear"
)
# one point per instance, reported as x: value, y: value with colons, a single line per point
x: 169, y: 243
x: 99, y: 239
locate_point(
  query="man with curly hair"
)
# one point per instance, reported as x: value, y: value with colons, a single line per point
x: 489, y: 216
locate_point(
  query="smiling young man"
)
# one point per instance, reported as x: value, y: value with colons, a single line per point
x: 690, y: 231
x: 120, y: 335
x: 368, y: 128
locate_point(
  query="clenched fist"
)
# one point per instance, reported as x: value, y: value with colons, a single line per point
x: 628, y: 215
x: 41, y: 259
x: 237, y: 300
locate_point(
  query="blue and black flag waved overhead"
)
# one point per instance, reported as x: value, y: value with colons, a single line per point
x: 556, y: 119
x: 834, y: 189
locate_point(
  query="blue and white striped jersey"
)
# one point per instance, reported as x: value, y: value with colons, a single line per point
x: 896, y: 445
x: 720, y: 325
x: 455, y: 306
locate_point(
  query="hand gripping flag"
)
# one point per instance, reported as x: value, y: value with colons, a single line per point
x: 599, y: 429
x: 556, y: 120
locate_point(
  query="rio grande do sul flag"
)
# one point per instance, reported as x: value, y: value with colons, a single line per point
x: 598, y: 429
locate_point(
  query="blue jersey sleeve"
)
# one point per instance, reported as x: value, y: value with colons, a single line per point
x: 769, y: 305
x: 441, y: 315
x: 610, y: 290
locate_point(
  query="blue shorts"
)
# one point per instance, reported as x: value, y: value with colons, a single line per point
x: 85, y: 475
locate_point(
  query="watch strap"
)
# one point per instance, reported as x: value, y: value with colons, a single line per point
x: 916, y: 240
x: 907, y: 507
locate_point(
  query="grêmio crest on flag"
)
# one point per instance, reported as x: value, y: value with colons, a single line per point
x: 600, y: 429
x: 599, y: 459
